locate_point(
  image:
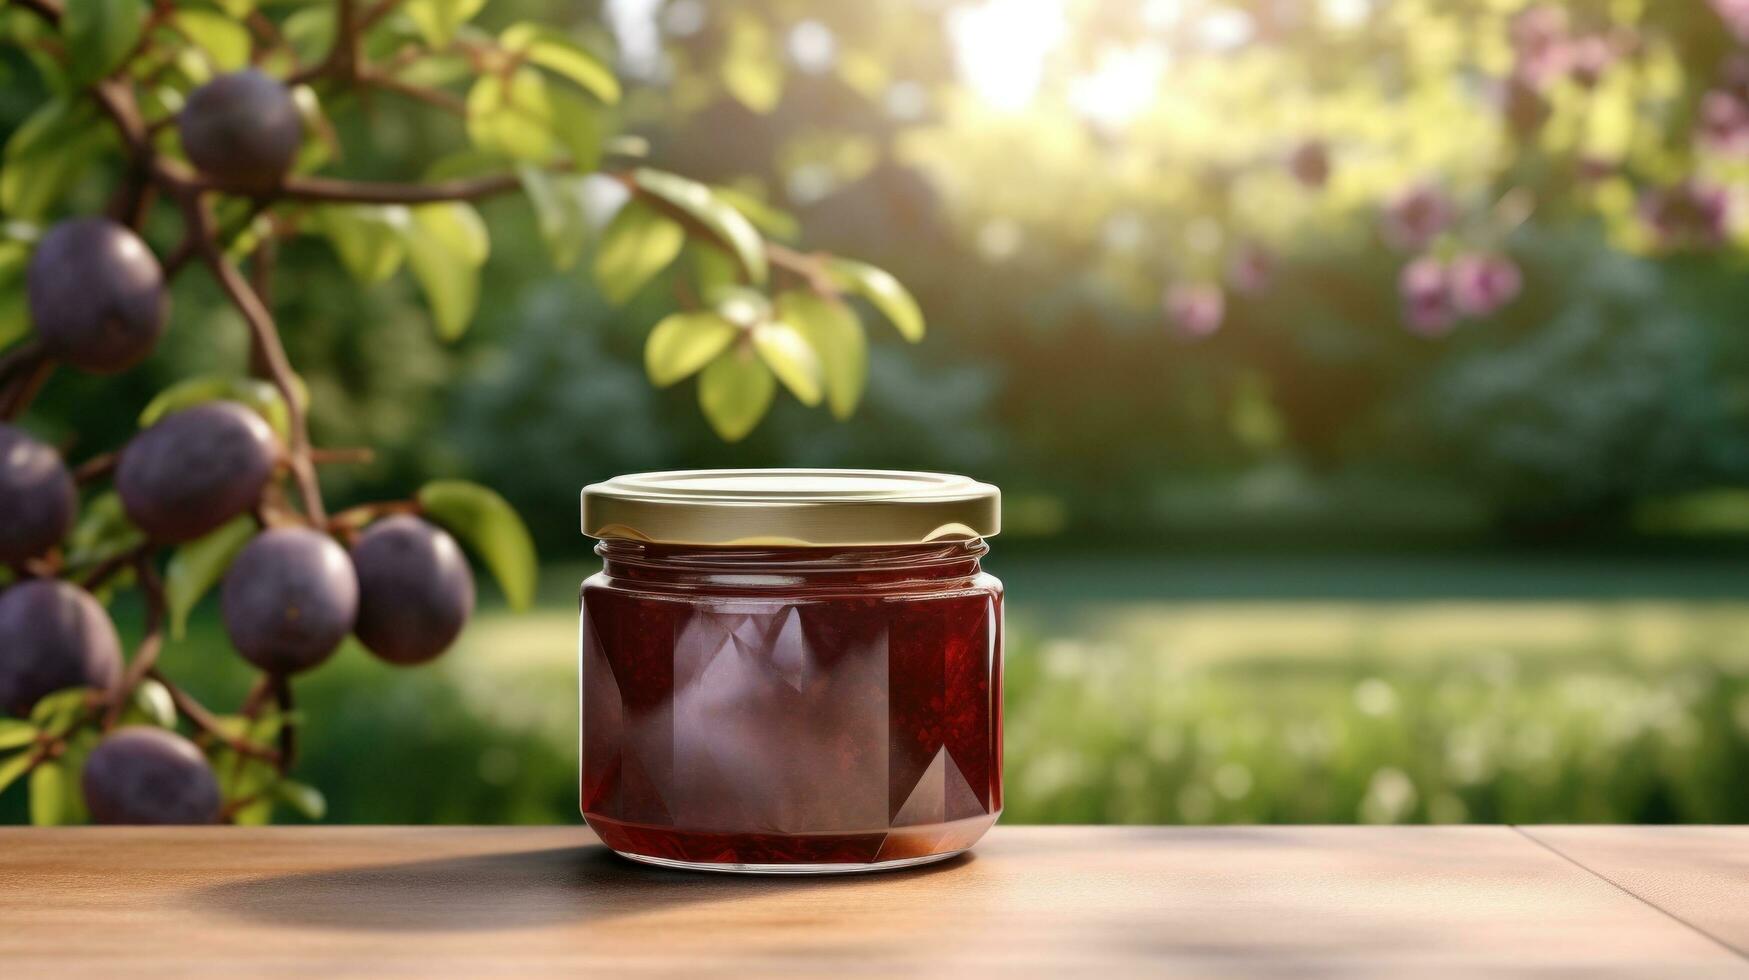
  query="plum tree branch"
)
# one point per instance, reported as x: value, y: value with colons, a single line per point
x: 446, y: 101
x: 265, y: 336
x: 146, y: 654
x: 203, y: 719
x: 288, y: 731
x: 336, y: 191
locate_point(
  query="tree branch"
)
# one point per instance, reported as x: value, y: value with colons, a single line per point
x: 203, y: 719
x: 288, y: 732
x: 447, y: 101
x: 265, y: 336
x: 96, y: 468
x: 334, y: 190
x: 146, y: 654
x: 26, y: 387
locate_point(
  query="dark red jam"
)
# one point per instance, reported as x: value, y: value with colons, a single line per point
x: 828, y: 706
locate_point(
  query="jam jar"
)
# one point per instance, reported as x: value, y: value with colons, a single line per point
x: 791, y: 670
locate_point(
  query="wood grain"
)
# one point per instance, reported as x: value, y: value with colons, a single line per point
x: 336, y: 902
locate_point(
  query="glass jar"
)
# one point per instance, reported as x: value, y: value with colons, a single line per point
x: 791, y: 670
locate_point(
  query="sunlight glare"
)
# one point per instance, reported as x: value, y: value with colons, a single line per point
x: 1345, y: 14
x: 1000, y: 47
x: 1122, y: 85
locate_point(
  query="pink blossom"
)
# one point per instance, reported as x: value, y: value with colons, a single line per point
x: 1735, y: 14
x: 1482, y: 283
x: 1425, y: 286
x: 1251, y: 268
x: 1540, y: 42
x: 1196, y: 309
x: 1416, y: 216
x: 1724, y: 122
x: 1590, y: 57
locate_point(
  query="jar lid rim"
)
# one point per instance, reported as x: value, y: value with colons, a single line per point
x: 792, y: 507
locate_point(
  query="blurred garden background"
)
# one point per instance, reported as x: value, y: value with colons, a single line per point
x: 1367, y: 380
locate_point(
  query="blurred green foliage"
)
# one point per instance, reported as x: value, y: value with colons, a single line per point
x: 1039, y: 201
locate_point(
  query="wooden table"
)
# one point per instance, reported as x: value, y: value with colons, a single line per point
x: 331, y: 902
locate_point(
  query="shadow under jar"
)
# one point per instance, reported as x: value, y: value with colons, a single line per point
x: 791, y: 670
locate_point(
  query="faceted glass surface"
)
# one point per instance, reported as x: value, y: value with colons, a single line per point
x: 814, y: 706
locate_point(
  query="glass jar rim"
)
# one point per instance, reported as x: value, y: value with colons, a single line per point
x: 791, y: 507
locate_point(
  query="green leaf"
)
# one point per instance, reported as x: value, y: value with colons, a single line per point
x: 832, y: 330
x: 197, y: 566
x: 467, y: 163
x: 46, y: 154
x: 152, y: 699
x: 236, y: 8
x: 14, y: 314
x: 772, y: 220
x: 48, y: 794
x: 457, y: 227
x: 437, y: 71
x: 745, y: 308
x: 266, y: 727
x: 783, y: 349
x: 581, y: 127
x: 100, y: 34
x: 254, y: 393
x: 886, y: 293
x: 13, y: 768
x: 366, y: 237
x: 315, y: 153
x: 638, y: 243
x: 446, y: 244
x: 232, y: 726
x: 684, y: 343
x: 721, y: 221
x: 734, y: 392
x: 103, y: 530
x: 14, y: 254
x: 224, y: 39
x: 751, y: 69
x: 310, y: 31
x: 559, y: 206
x: 307, y: 800
x: 438, y: 20
x: 16, y: 733
x: 79, y: 746
x: 55, y: 713
x: 714, y: 272
x: 513, y: 117
x: 555, y: 52
x: 490, y: 526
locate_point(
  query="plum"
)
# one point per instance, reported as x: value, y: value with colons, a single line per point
x: 415, y: 590
x: 53, y: 635
x: 37, y: 496
x: 96, y: 295
x: 288, y: 599
x: 195, y: 469
x: 243, y: 129
x: 145, y: 775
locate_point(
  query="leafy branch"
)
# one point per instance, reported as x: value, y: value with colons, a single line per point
x: 238, y: 186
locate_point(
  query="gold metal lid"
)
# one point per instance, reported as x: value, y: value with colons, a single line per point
x: 791, y: 507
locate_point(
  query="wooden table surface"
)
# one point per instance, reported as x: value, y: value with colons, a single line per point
x: 332, y: 902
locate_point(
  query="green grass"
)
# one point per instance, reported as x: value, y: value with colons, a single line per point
x: 1162, y: 691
